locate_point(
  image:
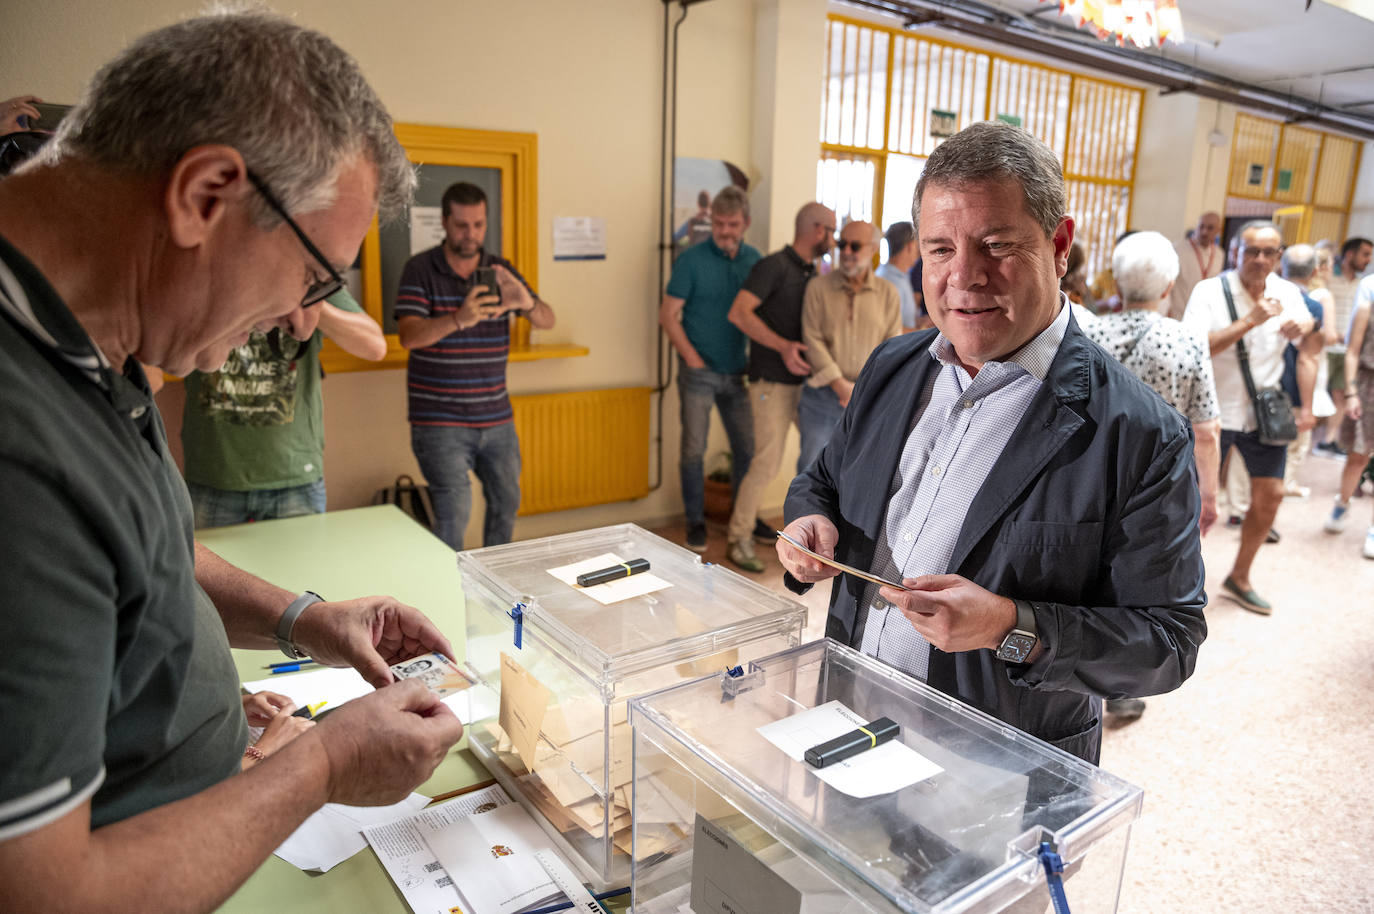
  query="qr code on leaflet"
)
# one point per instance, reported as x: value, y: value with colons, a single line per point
x: 443, y: 883
x: 432, y: 867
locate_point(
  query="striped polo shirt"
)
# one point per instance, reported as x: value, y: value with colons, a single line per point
x: 461, y: 379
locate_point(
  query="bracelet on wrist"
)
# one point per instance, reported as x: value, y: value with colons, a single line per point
x: 254, y: 752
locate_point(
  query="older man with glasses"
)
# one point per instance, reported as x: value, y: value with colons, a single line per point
x: 140, y: 235
x: 1249, y: 315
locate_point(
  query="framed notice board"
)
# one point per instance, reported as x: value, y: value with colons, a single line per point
x: 503, y: 164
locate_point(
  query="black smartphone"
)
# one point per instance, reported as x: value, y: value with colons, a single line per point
x: 486, y: 276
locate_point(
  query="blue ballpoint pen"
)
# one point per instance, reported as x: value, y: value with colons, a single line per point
x: 290, y: 667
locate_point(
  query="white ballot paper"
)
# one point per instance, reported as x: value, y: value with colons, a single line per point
x: 884, y: 769
x: 334, y: 687
x: 636, y: 585
x: 335, y: 832
x: 410, y: 863
x: 490, y: 856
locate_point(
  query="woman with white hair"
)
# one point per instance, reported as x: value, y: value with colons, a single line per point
x: 1161, y: 352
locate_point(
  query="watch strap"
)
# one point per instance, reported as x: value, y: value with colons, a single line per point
x: 288, y: 622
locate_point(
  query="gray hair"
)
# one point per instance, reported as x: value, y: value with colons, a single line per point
x: 1299, y: 261
x: 995, y: 151
x: 729, y: 201
x: 1143, y: 265
x: 294, y: 104
x: 1258, y: 225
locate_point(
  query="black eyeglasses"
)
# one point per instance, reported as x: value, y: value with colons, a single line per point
x: 320, y: 289
x: 854, y: 246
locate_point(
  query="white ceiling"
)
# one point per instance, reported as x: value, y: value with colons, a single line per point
x: 1325, y: 54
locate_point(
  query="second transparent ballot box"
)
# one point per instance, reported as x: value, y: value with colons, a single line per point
x: 950, y: 814
x: 555, y: 663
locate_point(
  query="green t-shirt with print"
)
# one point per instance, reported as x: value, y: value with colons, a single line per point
x: 258, y: 422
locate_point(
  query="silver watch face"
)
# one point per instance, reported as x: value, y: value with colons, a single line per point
x: 1016, y: 647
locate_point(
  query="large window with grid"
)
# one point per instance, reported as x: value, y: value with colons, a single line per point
x: 1308, y: 177
x: 889, y: 98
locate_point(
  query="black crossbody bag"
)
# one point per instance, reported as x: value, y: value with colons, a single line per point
x: 1273, y: 409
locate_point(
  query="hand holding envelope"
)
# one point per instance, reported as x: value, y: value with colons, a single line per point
x: 807, y: 548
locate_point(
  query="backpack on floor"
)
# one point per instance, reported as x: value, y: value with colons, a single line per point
x: 411, y: 498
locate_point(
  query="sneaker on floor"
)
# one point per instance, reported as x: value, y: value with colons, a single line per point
x: 1339, y: 514
x: 1235, y: 520
x: 1126, y: 708
x: 1368, y: 551
x: 696, y: 537
x: 1247, y: 598
x: 1272, y: 536
x: 742, y: 554
x: 1297, y: 492
x: 764, y: 533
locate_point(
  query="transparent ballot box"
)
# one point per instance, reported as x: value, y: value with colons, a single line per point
x: 948, y: 816
x: 555, y: 664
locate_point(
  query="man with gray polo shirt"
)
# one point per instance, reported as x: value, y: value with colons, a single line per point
x: 1037, y: 501
x: 160, y: 226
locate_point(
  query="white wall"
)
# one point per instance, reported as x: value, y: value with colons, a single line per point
x: 1362, y: 202
x: 587, y: 78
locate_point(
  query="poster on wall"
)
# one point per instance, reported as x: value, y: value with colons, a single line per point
x: 699, y: 180
x: 1256, y: 175
x: 1284, y: 179
x: 943, y: 123
x: 426, y: 228
x: 579, y: 238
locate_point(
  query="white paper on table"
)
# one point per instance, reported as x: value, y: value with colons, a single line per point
x: 336, y: 686
x: 884, y: 769
x: 334, y: 832
x: 636, y: 585
x: 490, y: 856
x: 411, y: 864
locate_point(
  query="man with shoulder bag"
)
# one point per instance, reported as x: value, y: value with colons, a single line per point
x: 1249, y: 315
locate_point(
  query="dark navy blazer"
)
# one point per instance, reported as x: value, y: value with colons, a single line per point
x: 1091, y: 511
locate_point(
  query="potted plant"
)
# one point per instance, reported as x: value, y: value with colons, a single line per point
x: 720, y: 494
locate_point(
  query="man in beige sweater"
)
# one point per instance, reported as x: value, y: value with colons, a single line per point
x: 845, y: 315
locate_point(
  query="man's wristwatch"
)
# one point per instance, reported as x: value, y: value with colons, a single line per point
x: 288, y: 622
x: 1018, y: 643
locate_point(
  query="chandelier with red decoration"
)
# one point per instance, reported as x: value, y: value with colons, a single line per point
x: 1143, y: 23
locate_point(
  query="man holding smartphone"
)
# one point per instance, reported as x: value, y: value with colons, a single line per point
x: 452, y: 313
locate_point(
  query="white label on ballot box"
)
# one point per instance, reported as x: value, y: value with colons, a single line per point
x: 727, y: 879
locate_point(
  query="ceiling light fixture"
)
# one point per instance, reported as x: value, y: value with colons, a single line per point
x: 1144, y: 23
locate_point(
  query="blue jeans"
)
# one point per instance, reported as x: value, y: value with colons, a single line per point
x: 222, y: 507
x: 698, y: 389
x: 818, y: 414
x: 446, y: 453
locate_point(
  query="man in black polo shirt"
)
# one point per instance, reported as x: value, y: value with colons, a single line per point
x: 161, y: 225
x: 769, y: 311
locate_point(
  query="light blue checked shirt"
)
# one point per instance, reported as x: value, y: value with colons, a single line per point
x: 958, y: 435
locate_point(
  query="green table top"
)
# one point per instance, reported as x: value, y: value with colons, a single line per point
x: 340, y: 555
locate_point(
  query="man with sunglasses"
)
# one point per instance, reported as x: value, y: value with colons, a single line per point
x: 140, y: 235
x: 845, y: 315
x: 252, y: 433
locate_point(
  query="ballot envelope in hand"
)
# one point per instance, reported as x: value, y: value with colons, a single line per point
x: 439, y: 674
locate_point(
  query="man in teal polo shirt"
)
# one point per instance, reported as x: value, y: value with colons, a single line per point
x: 252, y: 433
x: 711, y: 351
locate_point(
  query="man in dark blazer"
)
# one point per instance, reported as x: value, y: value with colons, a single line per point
x: 1038, y: 502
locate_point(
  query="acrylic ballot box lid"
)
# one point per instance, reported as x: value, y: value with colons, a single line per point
x: 705, y: 609
x: 962, y: 839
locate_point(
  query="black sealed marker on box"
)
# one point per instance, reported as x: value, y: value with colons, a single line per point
x: 852, y: 743
x: 613, y: 573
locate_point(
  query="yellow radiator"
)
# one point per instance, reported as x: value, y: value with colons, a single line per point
x: 586, y: 447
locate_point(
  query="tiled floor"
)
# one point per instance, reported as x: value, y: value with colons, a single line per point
x: 1258, y: 771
